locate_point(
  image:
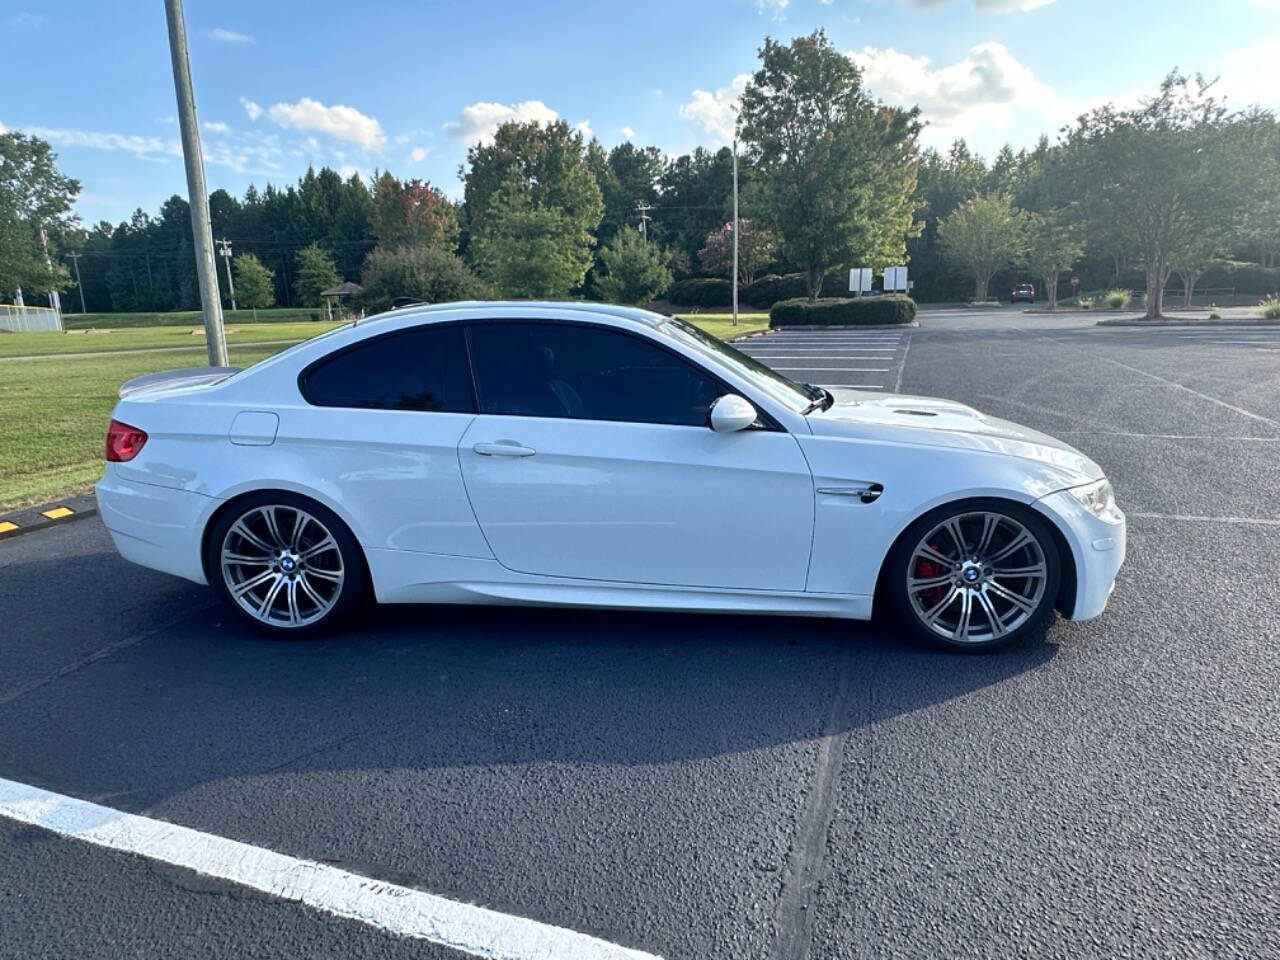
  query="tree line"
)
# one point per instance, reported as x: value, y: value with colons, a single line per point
x: 830, y: 178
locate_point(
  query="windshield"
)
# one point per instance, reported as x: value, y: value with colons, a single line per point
x: 768, y: 381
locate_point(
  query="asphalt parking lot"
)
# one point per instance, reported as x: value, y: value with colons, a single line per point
x: 707, y: 786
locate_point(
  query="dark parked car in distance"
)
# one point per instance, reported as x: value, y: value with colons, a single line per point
x: 1023, y: 291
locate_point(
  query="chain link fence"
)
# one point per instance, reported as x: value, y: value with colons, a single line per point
x: 17, y: 319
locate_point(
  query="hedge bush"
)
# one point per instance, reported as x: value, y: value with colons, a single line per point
x: 765, y: 291
x: 862, y: 311
x: 701, y: 292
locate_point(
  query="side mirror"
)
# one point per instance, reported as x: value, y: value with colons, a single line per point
x: 730, y: 413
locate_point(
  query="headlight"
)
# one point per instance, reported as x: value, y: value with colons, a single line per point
x: 1099, y: 499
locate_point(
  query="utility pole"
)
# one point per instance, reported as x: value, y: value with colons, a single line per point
x: 643, y: 209
x: 201, y: 231
x: 55, y: 302
x: 224, y: 247
x: 75, y: 262
x: 735, y: 231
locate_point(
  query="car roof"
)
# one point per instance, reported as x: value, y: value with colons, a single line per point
x: 425, y: 311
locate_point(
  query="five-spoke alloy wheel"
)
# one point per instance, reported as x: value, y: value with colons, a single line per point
x: 976, y: 576
x: 285, y: 564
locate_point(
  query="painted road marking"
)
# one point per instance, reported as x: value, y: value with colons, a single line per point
x: 6, y: 526
x: 835, y: 369
x: 398, y: 910
x: 57, y: 513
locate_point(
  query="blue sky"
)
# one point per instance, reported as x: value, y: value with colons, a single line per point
x: 406, y: 86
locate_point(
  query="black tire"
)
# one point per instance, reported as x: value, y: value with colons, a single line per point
x: 1036, y: 592
x: 335, y: 600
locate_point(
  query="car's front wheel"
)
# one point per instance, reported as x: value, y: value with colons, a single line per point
x: 285, y: 564
x: 977, y: 576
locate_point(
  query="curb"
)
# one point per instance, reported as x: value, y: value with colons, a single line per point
x: 849, y: 327
x: 1173, y: 322
x: 30, y: 519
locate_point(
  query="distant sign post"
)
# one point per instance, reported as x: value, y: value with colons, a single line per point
x: 895, y: 279
x: 860, y: 280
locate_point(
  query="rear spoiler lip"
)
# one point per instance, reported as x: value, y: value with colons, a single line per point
x: 186, y: 377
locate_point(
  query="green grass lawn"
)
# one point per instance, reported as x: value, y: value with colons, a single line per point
x: 184, y: 318
x: 55, y: 411
x: 142, y: 338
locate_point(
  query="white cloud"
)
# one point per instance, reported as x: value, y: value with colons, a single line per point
x: 776, y: 6
x: 418, y: 154
x: 24, y: 18
x: 215, y: 126
x: 478, y: 122
x: 150, y: 148
x: 3, y: 128
x: 977, y: 94
x: 230, y: 36
x: 338, y: 121
x: 994, y: 6
x: 252, y: 109
x: 716, y: 112
x: 656, y: 91
x: 584, y: 128
x: 349, y: 170
x: 628, y: 133
x: 1251, y: 74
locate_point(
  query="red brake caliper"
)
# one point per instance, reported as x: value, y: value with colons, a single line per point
x: 925, y: 570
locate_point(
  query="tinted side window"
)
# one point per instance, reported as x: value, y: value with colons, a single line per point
x: 422, y: 369
x: 587, y: 373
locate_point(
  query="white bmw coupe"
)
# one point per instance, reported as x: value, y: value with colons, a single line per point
x: 587, y: 455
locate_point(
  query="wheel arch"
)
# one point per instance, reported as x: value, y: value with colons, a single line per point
x: 233, y: 501
x: 1065, y: 601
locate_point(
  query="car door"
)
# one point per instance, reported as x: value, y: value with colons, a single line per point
x: 379, y: 434
x: 591, y: 457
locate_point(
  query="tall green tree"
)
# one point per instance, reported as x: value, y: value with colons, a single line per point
x: 1055, y: 242
x: 983, y: 235
x: 253, y: 283
x: 1158, y: 175
x: 695, y: 198
x: 634, y: 271
x: 528, y: 250
x: 837, y: 169
x: 34, y: 194
x: 532, y: 206
x: 316, y: 272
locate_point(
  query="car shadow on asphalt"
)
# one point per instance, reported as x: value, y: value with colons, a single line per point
x: 208, y: 699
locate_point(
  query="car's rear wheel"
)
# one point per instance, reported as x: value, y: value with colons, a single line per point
x: 286, y: 564
x: 976, y: 576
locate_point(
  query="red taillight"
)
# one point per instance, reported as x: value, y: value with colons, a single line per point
x: 123, y: 442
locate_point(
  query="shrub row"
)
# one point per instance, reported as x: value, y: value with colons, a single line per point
x: 762, y: 293
x: 863, y: 311
x: 1244, y: 277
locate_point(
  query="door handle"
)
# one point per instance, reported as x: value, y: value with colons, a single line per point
x: 503, y: 448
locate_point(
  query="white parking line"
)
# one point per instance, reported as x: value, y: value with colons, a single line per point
x: 835, y: 369
x: 398, y: 910
x: 800, y: 356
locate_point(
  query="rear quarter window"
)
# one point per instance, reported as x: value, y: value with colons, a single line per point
x: 423, y: 369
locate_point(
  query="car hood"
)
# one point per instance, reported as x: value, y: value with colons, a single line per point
x: 927, y: 421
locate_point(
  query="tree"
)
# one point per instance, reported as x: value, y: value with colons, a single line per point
x: 984, y: 234
x: 837, y: 169
x: 528, y: 250
x: 1160, y: 174
x: 253, y: 282
x: 316, y: 272
x: 412, y: 212
x: 1054, y: 244
x: 634, y: 271
x: 33, y: 195
x: 532, y: 204
x: 427, y: 272
x: 627, y: 176
x: 756, y: 247
x: 696, y: 197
